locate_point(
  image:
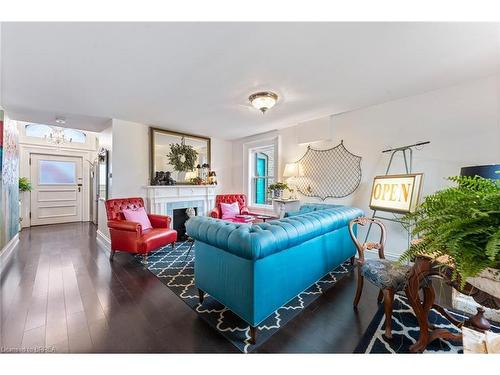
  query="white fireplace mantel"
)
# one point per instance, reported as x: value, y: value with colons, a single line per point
x: 162, y: 199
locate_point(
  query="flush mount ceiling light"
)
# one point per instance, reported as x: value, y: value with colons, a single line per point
x: 263, y: 100
x: 61, y: 120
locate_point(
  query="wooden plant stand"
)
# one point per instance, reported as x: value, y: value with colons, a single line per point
x: 424, y: 267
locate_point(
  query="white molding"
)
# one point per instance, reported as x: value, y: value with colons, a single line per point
x: 103, y: 241
x: 8, y: 251
x: 159, y: 195
x: 267, y: 139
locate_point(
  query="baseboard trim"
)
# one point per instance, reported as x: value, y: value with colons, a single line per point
x: 103, y: 241
x: 8, y: 251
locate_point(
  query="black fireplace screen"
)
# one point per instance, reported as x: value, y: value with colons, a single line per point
x: 180, y: 217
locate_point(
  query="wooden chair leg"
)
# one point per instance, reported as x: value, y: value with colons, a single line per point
x: 145, y: 259
x: 388, y: 301
x: 359, y: 289
x: 173, y: 246
x: 201, y: 295
x: 111, y: 255
x: 253, y: 335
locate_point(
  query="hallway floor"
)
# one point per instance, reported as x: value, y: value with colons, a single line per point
x: 60, y: 292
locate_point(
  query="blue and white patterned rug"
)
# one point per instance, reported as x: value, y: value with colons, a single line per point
x: 405, y: 331
x: 176, y: 270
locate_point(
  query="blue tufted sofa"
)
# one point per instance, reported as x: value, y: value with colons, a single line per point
x: 255, y: 269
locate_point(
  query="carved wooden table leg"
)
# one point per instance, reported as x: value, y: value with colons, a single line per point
x: 417, y: 273
x: 421, y: 269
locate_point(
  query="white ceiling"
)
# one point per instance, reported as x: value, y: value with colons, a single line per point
x: 196, y: 77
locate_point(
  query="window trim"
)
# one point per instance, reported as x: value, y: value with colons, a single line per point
x: 273, y: 140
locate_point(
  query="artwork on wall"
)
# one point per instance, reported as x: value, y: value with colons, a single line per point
x: 9, y: 200
x: 332, y: 173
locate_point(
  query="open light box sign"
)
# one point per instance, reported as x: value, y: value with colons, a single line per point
x: 396, y: 193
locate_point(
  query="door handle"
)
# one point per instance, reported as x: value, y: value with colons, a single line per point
x: 79, y: 187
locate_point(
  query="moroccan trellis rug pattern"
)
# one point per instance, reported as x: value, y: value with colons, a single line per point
x: 176, y: 270
x: 405, y: 331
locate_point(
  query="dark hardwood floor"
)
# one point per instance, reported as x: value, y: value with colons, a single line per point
x: 60, y: 291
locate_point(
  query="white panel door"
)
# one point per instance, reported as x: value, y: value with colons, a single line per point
x: 57, y: 189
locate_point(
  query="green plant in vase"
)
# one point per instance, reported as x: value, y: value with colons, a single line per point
x: 278, y: 188
x: 24, y: 184
x: 461, y: 222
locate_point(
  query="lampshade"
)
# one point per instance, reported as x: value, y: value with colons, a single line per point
x: 291, y: 170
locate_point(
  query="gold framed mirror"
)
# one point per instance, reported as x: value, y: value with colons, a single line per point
x: 177, y: 158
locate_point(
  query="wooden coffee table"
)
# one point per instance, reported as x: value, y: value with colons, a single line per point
x: 265, y: 217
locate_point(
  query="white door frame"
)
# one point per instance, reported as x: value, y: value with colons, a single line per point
x: 65, y: 198
x: 25, y: 170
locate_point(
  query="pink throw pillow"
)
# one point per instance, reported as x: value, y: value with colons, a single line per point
x: 138, y: 215
x: 229, y: 210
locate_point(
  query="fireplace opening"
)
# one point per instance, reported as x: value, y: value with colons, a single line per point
x: 180, y: 216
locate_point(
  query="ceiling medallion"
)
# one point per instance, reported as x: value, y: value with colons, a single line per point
x: 263, y: 100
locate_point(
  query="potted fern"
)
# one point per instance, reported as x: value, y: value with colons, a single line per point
x: 462, y: 222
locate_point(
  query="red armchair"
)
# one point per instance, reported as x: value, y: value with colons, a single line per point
x: 230, y: 198
x: 128, y: 236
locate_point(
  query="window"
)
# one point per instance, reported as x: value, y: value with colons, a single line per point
x: 76, y: 136
x: 262, y: 160
x: 52, y: 172
x: 44, y: 131
x: 38, y: 130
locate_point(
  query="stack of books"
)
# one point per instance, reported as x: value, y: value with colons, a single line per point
x: 244, y: 218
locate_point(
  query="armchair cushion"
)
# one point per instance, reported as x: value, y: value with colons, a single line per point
x: 229, y: 198
x: 138, y: 216
x: 229, y: 210
x: 159, y: 221
x: 154, y: 238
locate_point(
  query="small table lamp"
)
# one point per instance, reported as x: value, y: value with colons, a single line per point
x: 291, y: 170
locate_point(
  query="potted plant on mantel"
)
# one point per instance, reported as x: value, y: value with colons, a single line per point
x: 462, y: 223
x: 277, y: 189
x: 24, y: 186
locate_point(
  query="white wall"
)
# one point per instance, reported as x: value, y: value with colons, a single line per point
x: 462, y: 123
x: 130, y: 144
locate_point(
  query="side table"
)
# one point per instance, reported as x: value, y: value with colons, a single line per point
x: 281, y: 206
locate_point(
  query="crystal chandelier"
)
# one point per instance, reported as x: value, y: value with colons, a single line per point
x: 57, y: 136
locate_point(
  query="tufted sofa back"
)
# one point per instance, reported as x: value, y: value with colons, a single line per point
x: 260, y: 240
x: 114, y: 207
x: 231, y: 198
